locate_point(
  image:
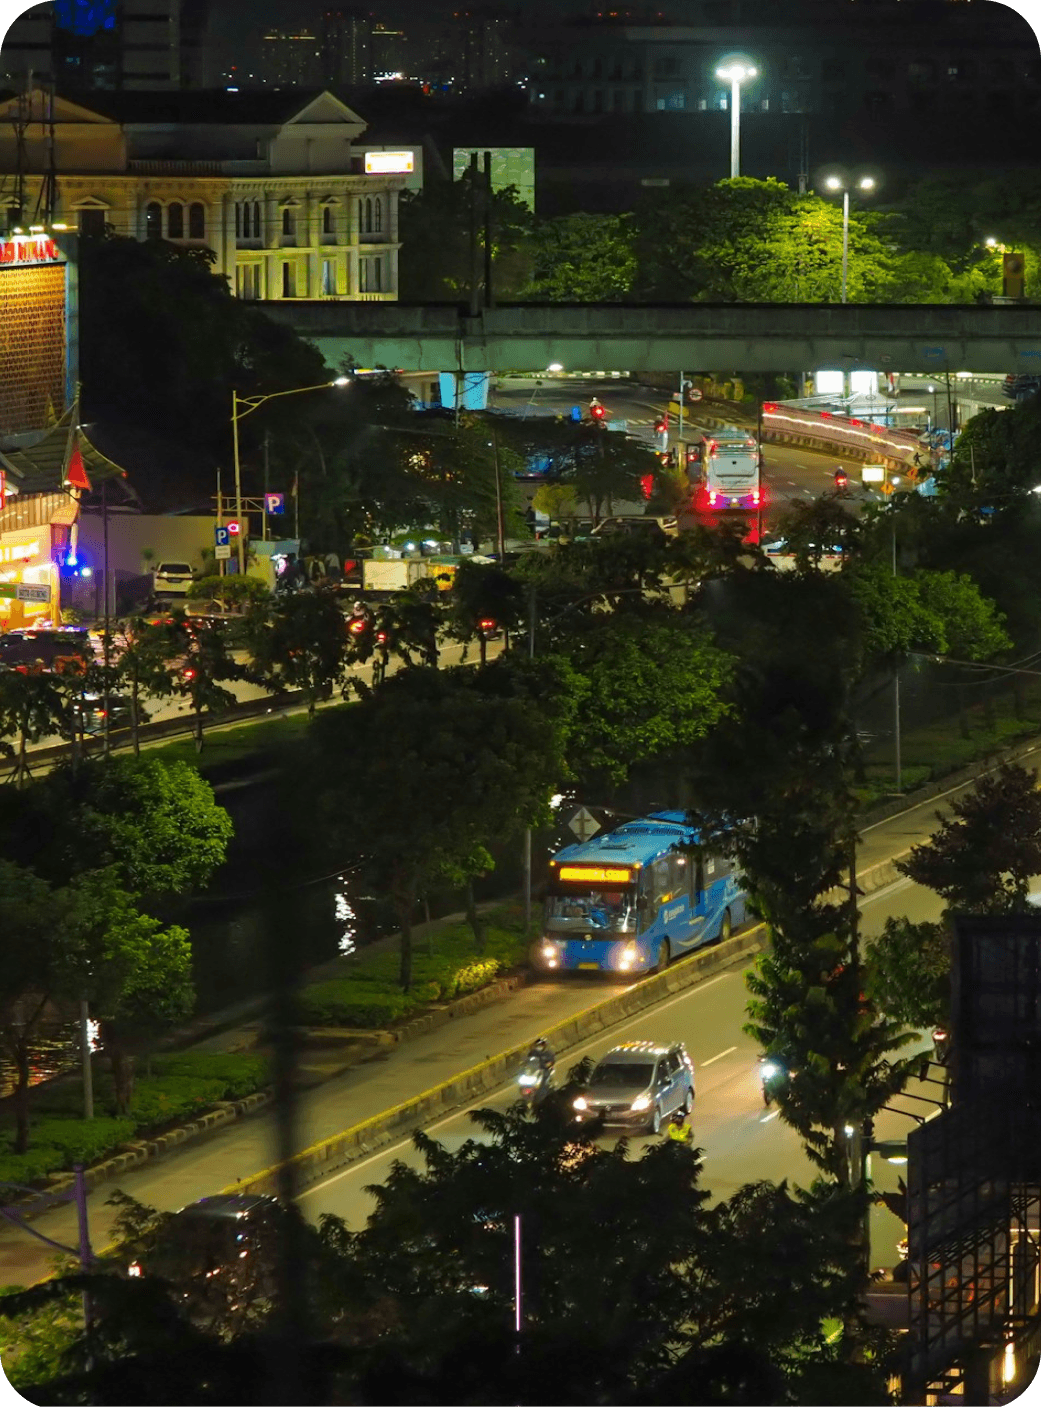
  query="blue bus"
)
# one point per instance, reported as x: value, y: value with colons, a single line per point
x: 629, y: 900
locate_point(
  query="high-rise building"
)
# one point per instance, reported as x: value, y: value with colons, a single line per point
x: 86, y: 45
x: 290, y: 58
x: 346, y: 45
x: 484, y: 48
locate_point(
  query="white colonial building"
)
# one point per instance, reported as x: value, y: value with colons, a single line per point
x: 275, y: 184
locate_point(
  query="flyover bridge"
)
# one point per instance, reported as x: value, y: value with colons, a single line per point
x: 928, y: 338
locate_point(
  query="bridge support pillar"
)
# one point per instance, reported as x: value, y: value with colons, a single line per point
x: 473, y: 387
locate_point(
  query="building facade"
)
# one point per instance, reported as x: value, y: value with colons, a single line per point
x: 275, y: 184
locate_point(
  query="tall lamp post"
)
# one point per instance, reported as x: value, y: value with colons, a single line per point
x: 242, y: 406
x: 836, y: 183
x: 736, y: 72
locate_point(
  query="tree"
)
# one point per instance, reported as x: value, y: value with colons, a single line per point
x: 807, y: 1011
x: 812, y: 528
x: 136, y: 975
x: 461, y: 767
x: 205, y: 662
x: 299, y: 642
x: 582, y: 258
x: 434, y: 227
x: 985, y: 852
x: 994, y: 462
x: 908, y: 972
x: 651, y: 682
x: 31, y: 707
x: 155, y: 822
x: 143, y: 666
x: 482, y: 594
x: 32, y: 922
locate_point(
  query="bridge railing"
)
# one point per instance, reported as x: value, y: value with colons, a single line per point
x: 848, y: 436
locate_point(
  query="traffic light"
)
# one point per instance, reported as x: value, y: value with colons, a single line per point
x: 597, y: 412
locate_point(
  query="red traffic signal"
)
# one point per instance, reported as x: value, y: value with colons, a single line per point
x: 597, y: 413
x: 661, y: 426
x: 358, y: 625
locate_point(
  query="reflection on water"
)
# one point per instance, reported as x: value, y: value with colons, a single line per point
x: 347, y: 917
x: 56, y: 1051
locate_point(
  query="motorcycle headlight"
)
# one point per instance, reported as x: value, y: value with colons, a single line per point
x: 580, y: 1104
x: 641, y: 1103
x: 769, y: 1070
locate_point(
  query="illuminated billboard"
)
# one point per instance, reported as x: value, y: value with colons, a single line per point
x: 389, y: 163
x: 36, y: 371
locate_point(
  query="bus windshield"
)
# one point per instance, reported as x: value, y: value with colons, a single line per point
x: 592, y: 910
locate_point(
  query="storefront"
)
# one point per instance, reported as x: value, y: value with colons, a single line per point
x: 27, y: 561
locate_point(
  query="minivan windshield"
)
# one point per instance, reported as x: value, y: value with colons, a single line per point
x: 622, y: 1074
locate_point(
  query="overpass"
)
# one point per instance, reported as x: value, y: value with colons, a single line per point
x: 928, y: 338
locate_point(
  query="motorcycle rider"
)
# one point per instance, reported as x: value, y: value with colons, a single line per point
x: 542, y: 1054
x: 841, y: 478
x: 679, y: 1130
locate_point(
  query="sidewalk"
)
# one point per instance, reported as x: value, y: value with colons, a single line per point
x: 391, y: 1074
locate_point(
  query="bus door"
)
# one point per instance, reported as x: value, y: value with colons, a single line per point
x: 667, y: 910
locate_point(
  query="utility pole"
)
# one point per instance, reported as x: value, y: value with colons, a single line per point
x: 106, y: 644
x: 263, y: 522
x: 489, y: 297
x: 500, y: 525
x: 679, y: 433
x: 238, y: 482
x: 896, y: 685
x: 222, y: 566
x: 759, y: 476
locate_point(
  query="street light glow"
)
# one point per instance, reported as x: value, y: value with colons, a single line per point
x: 990, y: 242
x: 737, y: 73
x: 833, y: 183
x: 866, y: 183
x: 339, y: 382
x: 555, y: 367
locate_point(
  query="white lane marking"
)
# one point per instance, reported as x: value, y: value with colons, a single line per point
x: 490, y: 1096
x: 772, y: 1117
x: 726, y: 1051
x: 887, y: 890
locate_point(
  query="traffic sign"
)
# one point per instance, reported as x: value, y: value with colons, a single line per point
x: 26, y: 592
x: 584, y: 825
x: 576, y: 413
x: 221, y: 537
x: 275, y: 503
x: 694, y: 394
x: 223, y: 550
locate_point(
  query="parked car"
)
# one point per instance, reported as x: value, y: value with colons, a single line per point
x: 638, y: 1085
x: 172, y: 579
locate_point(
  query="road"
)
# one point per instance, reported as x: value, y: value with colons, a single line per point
x: 789, y: 472
x: 739, y: 1144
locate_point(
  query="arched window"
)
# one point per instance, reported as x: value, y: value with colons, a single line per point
x: 368, y: 215
x: 256, y: 219
x: 238, y: 220
x: 196, y: 221
x: 288, y: 220
x: 174, y: 221
x: 327, y: 220
x: 154, y: 220
x: 378, y: 213
x: 361, y: 217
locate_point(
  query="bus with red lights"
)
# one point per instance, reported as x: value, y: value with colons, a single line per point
x: 730, y: 472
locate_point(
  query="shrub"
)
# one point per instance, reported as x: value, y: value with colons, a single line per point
x: 84, y: 1141
x: 353, y: 1004
x: 34, y: 1165
x: 473, y: 976
x: 240, y: 1073
x: 159, y: 1100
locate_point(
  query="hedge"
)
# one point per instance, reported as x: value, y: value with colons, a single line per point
x: 169, y: 1087
x: 444, y: 967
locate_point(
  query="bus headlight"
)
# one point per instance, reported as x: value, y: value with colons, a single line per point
x: 550, y: 952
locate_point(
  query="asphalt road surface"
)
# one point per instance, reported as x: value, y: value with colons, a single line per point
x: 741, y: 1141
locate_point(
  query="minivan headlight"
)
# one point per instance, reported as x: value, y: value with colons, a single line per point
x: 641, y: 1103
x: 580, y: 1104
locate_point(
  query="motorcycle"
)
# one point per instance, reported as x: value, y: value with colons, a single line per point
x: 534, y: 1080
x: 773, y: 1074
x: 841, y: 479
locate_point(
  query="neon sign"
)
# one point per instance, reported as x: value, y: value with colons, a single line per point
x: 29, y: 249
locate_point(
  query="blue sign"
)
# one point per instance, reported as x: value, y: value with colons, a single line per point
x: 576, y: 413
x: 275, y: 503
x: 221, y: 536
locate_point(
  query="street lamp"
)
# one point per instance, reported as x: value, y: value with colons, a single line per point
x: 736, y: 73
x: 836, y: 183
x: 237, y: 413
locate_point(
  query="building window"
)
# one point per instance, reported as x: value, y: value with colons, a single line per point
x: 370, y: 276
x: 92, y: 222
x: 618, y: 100
x: 154, y: 221
x: 637, y: 100
x: 247, y: 281
x: 377, y: 215
x: 327, y: 220
x: 368, y: 215
x: 329, y: 276
x: 196, y: 221
x: 175, y: 221
x: 289, y: 222
x: 288, y: 279
x: 361, y: 217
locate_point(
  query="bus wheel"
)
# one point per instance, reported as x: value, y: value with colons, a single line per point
x: 664, y: 955
x: 725, y: 927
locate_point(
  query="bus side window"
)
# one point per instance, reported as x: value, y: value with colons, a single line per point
x: 680, y: 867
x: 661, y: 880
x: 697, y: 878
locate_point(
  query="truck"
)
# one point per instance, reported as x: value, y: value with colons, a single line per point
x: 731, y: 475
x: 387, y: 575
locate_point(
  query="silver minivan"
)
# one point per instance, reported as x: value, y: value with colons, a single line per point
x: 638, y: 1085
